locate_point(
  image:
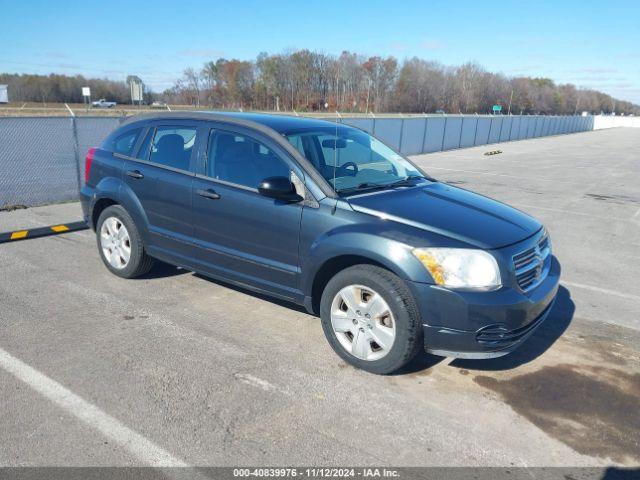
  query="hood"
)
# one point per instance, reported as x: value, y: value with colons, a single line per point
x: 451, y: 211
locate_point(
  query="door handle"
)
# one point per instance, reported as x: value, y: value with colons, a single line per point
x: 208, y: 193
x: 135, y: 174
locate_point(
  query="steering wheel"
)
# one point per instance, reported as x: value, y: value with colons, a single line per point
x: 348, y: 169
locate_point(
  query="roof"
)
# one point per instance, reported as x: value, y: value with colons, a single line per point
x: 279, y: 123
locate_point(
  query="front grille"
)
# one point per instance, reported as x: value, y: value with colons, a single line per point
x: 530, y: 264
x: 544, y: 241
x: 525, y: 258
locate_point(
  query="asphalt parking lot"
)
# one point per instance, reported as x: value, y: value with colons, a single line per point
x: 177, y: 369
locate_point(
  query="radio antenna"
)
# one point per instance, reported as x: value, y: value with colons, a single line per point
x: 335, y: 141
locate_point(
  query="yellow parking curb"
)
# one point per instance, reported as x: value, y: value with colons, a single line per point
x: 42, y: 231
x: 18, y: 235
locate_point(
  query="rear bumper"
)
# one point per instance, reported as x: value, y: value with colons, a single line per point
x: 483, y: 324
x: 87, y: 200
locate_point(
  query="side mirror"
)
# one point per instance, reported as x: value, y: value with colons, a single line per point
x: 279, y: 188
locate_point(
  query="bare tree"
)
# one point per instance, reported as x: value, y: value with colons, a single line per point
x: 192, y: 83
x: 209, y: 76
x: 382, y: 73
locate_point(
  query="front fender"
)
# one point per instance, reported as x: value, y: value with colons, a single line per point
x: 394, y: 255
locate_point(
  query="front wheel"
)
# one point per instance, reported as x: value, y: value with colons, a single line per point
x: 120, y: 244
x: 370, y: 319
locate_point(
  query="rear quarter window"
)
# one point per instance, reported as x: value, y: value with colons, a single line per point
x: 124, y: 142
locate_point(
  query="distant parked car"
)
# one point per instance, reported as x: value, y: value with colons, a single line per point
x: 324, y: 215
x: 159, y: 105
x: 102, y: 103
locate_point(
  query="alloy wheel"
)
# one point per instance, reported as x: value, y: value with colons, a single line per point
x: 115, y: 242
x: 363, y: 322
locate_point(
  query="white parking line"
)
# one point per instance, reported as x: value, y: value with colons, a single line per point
x: 606, y: 291
x: 140, y: 447
x: 255, y: 381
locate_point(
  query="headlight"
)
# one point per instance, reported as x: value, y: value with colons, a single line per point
x: 460, y: 267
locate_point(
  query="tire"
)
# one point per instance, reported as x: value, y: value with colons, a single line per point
x: 404, y: 318
x: 138, y: 262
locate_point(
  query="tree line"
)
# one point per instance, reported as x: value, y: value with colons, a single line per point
x: 57, y: 88
x: 305, y: 80
x: 62, y: 88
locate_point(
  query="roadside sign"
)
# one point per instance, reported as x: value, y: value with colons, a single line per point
x: 86, y: 96
x: 136, y: 92
x: 497, y: 108
x: 136, y: 88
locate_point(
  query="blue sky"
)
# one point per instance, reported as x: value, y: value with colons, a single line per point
x: 593, y: 44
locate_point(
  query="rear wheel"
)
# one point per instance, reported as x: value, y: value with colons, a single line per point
x: 370, y: 319
x: 120, y: 244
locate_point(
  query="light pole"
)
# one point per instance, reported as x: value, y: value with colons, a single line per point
x: 510, y: 100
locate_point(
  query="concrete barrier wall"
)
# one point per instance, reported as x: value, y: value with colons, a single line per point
x: 452, y: 132
x: 609, y: 121
x: 413, y: 133
x: 468, y: 132
x: 434, y: 134
x: 41, y: 158
x: 483, y: 128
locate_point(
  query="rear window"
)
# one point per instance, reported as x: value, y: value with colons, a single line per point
x: 124, y: 142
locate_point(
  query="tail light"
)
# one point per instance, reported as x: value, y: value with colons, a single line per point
x: 87, y: 164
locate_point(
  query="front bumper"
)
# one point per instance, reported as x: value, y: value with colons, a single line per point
x: 468, y: 324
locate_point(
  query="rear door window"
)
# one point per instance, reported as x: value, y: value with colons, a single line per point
x: 172, y: 146
x: 143, y: 151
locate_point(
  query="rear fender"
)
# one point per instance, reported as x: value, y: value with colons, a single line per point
x: 131, y: 203
x: 115, y: 189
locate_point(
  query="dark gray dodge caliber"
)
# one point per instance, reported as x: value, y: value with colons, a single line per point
x: 326, y: 216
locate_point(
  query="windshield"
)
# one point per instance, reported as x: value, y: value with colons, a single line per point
x: 353, y: 161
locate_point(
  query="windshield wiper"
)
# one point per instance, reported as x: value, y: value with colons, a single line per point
x: 372, y: 186
x: 363, y: 186
x: 405, y: 181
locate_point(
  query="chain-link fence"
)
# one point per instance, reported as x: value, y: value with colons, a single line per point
x: 42, y: 158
